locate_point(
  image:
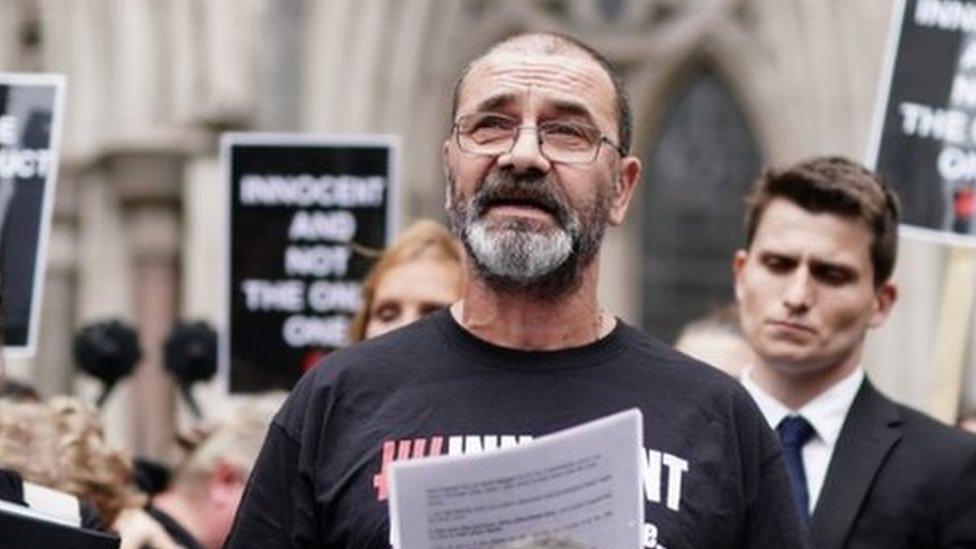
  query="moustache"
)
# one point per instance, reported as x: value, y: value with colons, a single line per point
x: 501, y: 188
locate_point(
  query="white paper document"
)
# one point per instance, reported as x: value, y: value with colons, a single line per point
x: 581, y: 485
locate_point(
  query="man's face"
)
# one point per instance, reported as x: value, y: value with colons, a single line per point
x: 525, y: 220
x: 806, y: 290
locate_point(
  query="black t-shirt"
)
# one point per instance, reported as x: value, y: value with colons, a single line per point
x: 714, y: 475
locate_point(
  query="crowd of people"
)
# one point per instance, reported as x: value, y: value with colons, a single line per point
x: 495, y: 327
x: 54, y: 459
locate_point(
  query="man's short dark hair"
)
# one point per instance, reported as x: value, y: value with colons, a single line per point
x: 552, y: 43
x: 838, y: 186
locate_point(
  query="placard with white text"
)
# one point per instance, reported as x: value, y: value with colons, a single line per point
x: 924, y: 139
x: 30, y: 123
x: 299, y: 208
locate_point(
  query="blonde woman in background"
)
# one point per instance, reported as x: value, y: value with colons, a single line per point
x: 54, y: 461
x: 58, y: 448
x: 419, y: 274
x: 59, y: 444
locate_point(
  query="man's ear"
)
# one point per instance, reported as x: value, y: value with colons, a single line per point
x: 623, y: 189
x: 738, y: 264
x: 225, y: 478
x: 446, y: 168
x: 884, y: 301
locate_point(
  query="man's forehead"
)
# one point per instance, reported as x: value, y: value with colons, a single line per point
x: 569, y: 75
x: 787, y: 228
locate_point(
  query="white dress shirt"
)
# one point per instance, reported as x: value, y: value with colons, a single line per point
x: 826, y: 413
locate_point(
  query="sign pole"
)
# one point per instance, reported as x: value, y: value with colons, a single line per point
x: 955, y: 315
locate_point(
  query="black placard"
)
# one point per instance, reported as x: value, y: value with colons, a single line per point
x: 299, y: 206
x: 30, y: 117
x: 924, y: 141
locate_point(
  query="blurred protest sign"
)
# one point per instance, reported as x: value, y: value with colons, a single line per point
x: 30, y: 124
x: 299, y: 207
x: 924, y: 144
x: 924, y: 139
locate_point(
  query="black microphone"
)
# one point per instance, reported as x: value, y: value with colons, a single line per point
x: 108, y: 351
x: 191, y: 356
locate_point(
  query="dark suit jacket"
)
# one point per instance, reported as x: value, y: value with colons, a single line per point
x: 897, y: 479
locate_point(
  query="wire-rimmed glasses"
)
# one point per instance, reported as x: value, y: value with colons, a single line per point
x: 564, y: 142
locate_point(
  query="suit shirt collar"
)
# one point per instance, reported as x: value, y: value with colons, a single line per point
x: 826, y: 412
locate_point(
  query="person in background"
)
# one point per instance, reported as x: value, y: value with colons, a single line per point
x: 59, y: 444
x: 46, y: 446
x: 54, y: 459
x: 813, y: 279
x: 198, y: 507
x: 419, y: 274
x: 717, y: 339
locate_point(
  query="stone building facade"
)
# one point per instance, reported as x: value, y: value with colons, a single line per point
x: 719, y: 87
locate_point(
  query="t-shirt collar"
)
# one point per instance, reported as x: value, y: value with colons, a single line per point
x: 605, y: 349
x: 825, y: 413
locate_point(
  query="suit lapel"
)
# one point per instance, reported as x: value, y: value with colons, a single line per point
x: 869, y: 432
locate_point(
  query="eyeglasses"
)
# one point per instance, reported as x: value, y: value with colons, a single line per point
x: 563, y: 142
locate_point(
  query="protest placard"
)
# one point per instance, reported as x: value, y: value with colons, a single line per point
x: 299, y: 208
x: 30, y: 123
x: 924, y: 138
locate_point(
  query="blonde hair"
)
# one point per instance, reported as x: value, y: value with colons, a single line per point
x: 60, y: 444
x: 236, y: 440
x: 423, y: 239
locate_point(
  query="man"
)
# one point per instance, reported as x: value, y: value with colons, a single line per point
x: 198, y: 509
x: 814, y: 277
x: 717, y: 339
x: 537, y: 165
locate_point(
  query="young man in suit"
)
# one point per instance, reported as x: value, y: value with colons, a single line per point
x: 813, y: 278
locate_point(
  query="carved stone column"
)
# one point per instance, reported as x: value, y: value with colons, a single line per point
x: 149, y: 183
x: 53, y: 364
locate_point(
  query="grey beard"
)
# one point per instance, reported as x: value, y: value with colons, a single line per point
x: 516, y: 253
x: 519, y: 257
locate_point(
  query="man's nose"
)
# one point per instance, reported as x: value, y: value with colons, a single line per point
x: 800, y: 292
x: 526, y: 153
